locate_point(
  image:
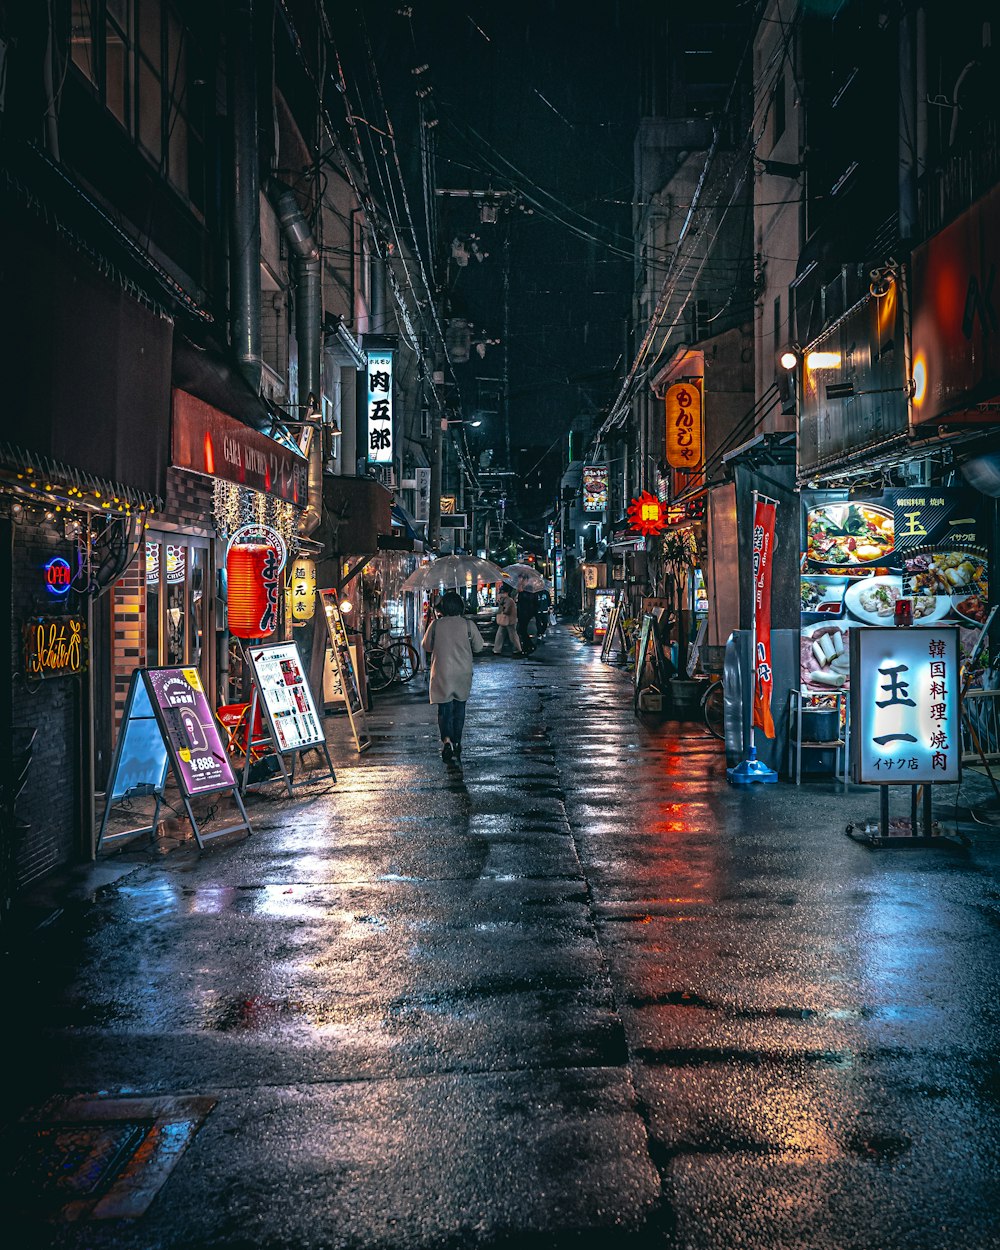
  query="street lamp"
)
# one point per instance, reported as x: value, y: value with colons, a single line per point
x: 446, y: 421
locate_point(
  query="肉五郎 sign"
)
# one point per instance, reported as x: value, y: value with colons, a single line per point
x: 55, y: 646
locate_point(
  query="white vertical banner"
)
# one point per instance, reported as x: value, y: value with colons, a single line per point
x: 379, y: 407
x: 423, y: 508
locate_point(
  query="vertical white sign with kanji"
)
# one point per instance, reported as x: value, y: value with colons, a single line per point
x: 380, y: 407
x: 905, y: 705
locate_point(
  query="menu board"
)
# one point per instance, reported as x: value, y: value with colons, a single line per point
x: 595, y: 487
x: 905, y: 708
x: 285, y: 694
x: 863, y: 552
x: 344, y: 663
x: 604, y: 601
x: 190, y: 730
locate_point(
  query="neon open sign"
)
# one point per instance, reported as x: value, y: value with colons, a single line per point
x: 58, y: 576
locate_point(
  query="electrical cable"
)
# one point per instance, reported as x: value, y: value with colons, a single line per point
x: 618, y: 410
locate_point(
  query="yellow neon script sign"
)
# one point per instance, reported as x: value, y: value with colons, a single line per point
x: 54, y: 647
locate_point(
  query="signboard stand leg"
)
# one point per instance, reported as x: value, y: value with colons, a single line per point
x: 267, y: 740
x: 218, y: 833
x: 921, y: 831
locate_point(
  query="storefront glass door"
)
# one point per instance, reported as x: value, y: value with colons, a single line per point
x: 176, y: 604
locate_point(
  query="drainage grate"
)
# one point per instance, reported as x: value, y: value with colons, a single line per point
x: 57, y: 1164
x: 98, y: 1158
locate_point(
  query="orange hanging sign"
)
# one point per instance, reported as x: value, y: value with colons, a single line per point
x: 684, y: 435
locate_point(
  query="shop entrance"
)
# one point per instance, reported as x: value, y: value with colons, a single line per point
x: 177, y: 580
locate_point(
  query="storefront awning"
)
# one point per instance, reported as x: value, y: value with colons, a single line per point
x: 403, y: 520
x: 29, y: 474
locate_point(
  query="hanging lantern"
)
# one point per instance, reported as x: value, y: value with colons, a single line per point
x: 248, y: 600
x: 302, y: 589
x: 254, y: 562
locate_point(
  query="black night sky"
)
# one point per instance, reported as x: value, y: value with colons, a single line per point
x: 537, y: 102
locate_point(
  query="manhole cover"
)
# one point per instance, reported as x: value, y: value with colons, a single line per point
x: 98, y: 1158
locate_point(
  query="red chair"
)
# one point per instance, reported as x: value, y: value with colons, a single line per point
x: 233, y: 718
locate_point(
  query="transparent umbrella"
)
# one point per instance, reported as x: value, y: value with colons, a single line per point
x: 454, y: 573
x: 524, y: 577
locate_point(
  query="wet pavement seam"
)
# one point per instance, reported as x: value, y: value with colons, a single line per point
x: 662, y: 1219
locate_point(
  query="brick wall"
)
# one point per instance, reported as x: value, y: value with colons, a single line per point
x: 50, y: 800
x: 128, y: 644
x: 189, y: 504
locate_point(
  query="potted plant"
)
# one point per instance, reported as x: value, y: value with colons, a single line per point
x: 679, y: 555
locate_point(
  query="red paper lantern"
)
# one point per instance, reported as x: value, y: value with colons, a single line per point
x: 252, y: 592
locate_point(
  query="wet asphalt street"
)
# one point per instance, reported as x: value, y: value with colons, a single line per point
x: 577, y: 993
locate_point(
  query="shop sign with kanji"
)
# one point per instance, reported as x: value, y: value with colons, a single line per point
x: 905, y: 705
x: 684, y: 441
x: 380, y: 407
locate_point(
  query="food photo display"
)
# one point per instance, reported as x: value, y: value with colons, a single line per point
x: 861, y: 555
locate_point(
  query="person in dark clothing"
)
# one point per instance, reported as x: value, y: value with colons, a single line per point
x: 527, y: 606
x: 542, y: 607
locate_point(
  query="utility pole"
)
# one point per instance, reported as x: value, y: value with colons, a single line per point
x: 437, y: 425
x: 506, y: 345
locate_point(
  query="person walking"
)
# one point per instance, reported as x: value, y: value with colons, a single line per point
x: 527, y: 607
x: 451, y: 641
x: 507, y: 621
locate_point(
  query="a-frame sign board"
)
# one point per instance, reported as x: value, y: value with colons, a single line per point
x: 651, y: 670
x: 610, y: 653
x: 168, y: 724
x: 345, y: 668
x: 291, y: 725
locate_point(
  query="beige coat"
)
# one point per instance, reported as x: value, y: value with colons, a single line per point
x: 451, y: 642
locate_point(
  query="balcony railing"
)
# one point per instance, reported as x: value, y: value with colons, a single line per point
x: 981, y: 726
x: 960, y: 179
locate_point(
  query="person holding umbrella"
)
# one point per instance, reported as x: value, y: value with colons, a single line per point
x: 507, y: 620
x: 451, y: 641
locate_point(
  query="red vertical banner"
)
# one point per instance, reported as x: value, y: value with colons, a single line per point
x: 763, y: 550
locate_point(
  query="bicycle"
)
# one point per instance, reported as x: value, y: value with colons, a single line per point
x: 403, y: 651
x: 713, y: 709
x: 583, y: 629
x: 381, y: 668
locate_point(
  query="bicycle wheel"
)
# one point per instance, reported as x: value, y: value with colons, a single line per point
x: 714, y: 710
x: 380, y: 668
x: 407, y: 659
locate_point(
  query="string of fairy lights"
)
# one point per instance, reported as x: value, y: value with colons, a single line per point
x: 234, y: 505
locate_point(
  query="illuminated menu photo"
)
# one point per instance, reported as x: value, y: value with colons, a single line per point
x: 604, y: 602
x: 905, y: 705
x: 864, y: 552
x: 595, y: 487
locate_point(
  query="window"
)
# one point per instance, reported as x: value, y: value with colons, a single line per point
x: 176, y: 577
x: 81, y: 38
x: 148, y: 69
x: 778, y: 109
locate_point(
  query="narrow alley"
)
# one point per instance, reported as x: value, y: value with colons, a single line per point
x: 575, y: 992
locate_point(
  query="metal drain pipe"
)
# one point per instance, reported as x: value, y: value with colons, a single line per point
x: 308, y: 332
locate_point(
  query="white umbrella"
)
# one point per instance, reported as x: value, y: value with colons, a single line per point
x: 524, y: 577
x: 454, y: 573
